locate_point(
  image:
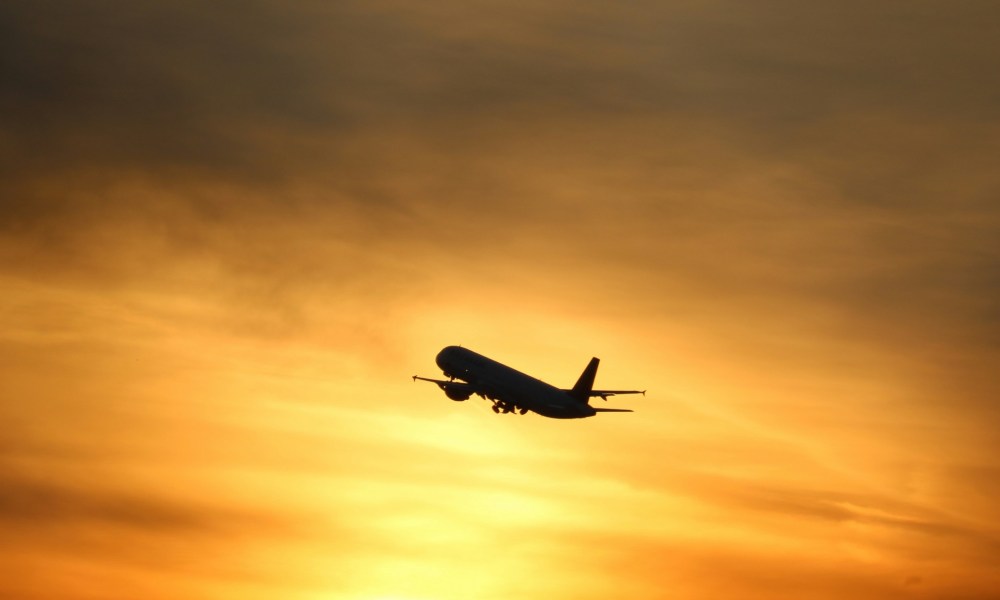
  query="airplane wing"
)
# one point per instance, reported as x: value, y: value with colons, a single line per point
x: 455, y: 387
x: 613, y: 410
x: 446, y: 384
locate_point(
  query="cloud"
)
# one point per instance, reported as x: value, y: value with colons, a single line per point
x: 118, y: 538
x: 155, y: 85
x: 786, y: 213
x: 28, y: 501
x: 141, y: 84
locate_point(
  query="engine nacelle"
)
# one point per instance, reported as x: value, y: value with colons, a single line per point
x: 457, y: 395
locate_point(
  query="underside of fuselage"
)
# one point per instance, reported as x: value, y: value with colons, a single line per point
x: 568, y: 411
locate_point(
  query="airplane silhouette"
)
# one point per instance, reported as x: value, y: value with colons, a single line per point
x: 511, y: 390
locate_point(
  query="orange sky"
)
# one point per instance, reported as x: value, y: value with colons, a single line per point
x: 230, y: 233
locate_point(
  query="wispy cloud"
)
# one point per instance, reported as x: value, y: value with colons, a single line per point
x: 230, y: 232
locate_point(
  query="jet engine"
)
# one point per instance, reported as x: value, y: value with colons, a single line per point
x: 457, y: 395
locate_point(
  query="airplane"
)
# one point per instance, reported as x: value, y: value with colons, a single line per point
x: 511, y: 390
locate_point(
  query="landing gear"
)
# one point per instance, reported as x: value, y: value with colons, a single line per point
x: 501, y: 407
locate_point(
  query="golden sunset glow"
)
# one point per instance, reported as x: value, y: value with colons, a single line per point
x: 230, y: 233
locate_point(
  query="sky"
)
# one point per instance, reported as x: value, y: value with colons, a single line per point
x: 230, y: 232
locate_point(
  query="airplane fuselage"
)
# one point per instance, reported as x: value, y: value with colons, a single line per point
x: 509, y: 386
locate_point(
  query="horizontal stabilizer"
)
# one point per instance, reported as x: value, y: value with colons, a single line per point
x: 613, y: 410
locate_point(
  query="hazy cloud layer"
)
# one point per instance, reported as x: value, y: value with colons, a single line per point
x: 228, y: 233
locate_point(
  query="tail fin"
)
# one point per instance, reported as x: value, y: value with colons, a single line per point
x: 581, y: 391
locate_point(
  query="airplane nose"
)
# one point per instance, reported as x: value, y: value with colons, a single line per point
x: 442, y: 358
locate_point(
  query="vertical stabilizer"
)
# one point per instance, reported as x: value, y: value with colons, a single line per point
x: 581, y: 391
